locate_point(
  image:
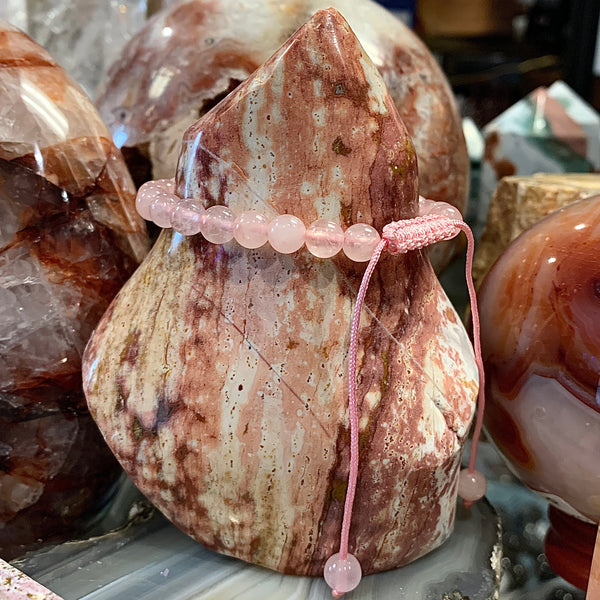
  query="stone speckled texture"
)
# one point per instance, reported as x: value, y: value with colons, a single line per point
x: 218, y: 375
x: 189, y: 56
x: 69, y: 238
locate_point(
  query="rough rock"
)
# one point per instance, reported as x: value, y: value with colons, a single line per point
x: 520, y: 202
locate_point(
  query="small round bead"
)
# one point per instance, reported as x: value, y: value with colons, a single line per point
x: 342, y: 575
x: 251, y: 229
x: 145, y: 197
x: 217, y: 224
x: 360, y: 241
x: 471, y: 485
x: 161, y: 210
x: 324, y: 238
x: 187, y: 217
x: 286, y: 234
x: 446, y: 210
x: 425, y: 206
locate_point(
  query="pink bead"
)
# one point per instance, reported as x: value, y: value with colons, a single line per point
x: 217, y: 224
x: 167, y: 185
x: 324, y: 238
x: 251, y: 229
x: 187, y: 217
x: 286, y: 234
x: 360, y: 241
x: 446, y: 210
x: 144, y: 199
x: 471, y: 485
x: 342, y: 575
x: 161, y: 210
x: 425, y: 206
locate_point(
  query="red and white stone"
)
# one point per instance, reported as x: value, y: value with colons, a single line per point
x: 218, y: 376
x: 189, y: 56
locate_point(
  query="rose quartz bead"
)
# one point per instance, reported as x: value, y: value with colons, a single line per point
x: 251, y: 229
x: 144, y: 199
x: 425, y: 206
x: 342, y: 575
x: 471, y: 485
x: 168, y: 185
x: 217, y: 224
x: 286, y: 234
x: 187, y: 217
x: 161, y: 210
x: 324, y: 238
x: 446, y: 210
x: 360, y: 241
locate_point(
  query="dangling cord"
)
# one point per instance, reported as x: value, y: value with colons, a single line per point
x: 342, y: 570
x: 472, y: 484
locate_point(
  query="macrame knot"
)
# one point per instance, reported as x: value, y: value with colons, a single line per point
x: 420, y: 232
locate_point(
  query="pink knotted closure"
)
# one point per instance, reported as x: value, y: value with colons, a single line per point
x: 398, y: 238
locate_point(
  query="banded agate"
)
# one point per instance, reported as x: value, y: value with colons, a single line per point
x: 540, y: 316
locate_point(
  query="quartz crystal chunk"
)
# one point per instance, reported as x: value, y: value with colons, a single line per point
x: 189, y: 56
x: 69, y: 238
x: 218, y: 376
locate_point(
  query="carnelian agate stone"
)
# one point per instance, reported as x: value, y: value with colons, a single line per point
x: 218, y: 376
x: 540, y: 317
x: 191, y: 54
x: 69, y: 238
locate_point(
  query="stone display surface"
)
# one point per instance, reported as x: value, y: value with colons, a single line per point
x: 69, y: 238
x: 150, y: 559
x: 519, y: 203
x: 218, y: 375
x: 540, y: 309
x: 188, y: 57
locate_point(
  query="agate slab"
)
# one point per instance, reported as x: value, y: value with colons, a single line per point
x: 218, y: 374
x: 191, y: 55
x: 540, y: 315
x: 69, y: 238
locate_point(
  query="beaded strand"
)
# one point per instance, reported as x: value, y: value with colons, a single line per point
x: 156, y: 201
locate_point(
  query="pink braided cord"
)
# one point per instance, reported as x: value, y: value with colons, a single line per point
x: 398, y: 238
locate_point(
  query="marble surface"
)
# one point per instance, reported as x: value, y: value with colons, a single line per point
x: 151, y: 560
x: 218, y: 375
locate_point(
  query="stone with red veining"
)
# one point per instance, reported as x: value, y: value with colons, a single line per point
x: 540, y: 316
x: 69, y: 238
x: 218, y: 375
x: 188, y: 57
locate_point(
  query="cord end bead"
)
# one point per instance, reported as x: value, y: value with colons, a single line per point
x: 472, y: 486
x: 342, y: 575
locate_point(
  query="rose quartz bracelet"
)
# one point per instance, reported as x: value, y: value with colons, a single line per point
x: 156, y: 201
x: 437, y: 221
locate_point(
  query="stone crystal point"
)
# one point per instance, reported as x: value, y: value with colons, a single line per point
x: 219, y: 375
x: 190, y: 55
x: 69, y: 238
